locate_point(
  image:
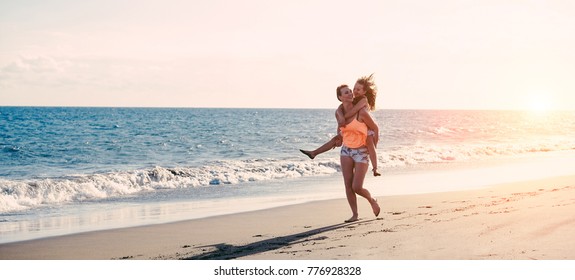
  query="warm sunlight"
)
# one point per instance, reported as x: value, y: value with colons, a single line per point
x: 539, y: 102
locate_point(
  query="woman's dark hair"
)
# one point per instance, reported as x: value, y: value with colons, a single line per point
x: 338, y: 91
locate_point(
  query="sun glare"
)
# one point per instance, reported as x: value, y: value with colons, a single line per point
x: 540, y: 102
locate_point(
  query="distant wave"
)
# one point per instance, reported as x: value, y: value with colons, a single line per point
x: 429, y: 154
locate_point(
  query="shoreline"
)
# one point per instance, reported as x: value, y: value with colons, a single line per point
x: 187, y: 204
x: 521, y: 220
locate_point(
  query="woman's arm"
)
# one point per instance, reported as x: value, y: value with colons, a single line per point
x: 362, y: 103
x: 339, y: 116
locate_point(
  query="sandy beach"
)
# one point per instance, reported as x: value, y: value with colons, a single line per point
x: 518, y: 221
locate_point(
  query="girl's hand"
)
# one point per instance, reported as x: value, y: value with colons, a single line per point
x: 338, y: 141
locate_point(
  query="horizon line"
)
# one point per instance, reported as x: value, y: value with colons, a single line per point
x: 282, y: 108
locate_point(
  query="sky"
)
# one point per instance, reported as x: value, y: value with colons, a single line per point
x: 446, y: 54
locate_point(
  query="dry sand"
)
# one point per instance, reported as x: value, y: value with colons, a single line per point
x: 526, y: 220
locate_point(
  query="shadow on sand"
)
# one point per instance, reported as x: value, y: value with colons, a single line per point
x: 225, y: 251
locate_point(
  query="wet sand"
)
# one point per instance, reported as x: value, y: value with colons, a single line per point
x: 517, y: 221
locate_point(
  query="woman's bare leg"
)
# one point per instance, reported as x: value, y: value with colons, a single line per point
x: 347, y: 165
x: 358, y: 178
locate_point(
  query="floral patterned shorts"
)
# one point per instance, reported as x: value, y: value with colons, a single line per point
x: 358, y: 155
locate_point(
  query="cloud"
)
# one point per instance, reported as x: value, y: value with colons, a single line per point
x: 191, y: 82
x: 82, y: 81
x: 38, y: 64
x: 66, y: 72
x: 32, y: 70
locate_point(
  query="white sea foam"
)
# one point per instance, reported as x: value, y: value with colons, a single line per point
x: 24, y: 194
x: 429, y: 153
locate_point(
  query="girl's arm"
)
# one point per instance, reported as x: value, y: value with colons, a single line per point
x: 366, y: 118
x: 362, y: 103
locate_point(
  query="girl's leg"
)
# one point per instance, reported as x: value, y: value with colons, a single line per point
x: 347, y: 171
x: 358, y: 177
x: 372, y: 155
x: 332, y: 143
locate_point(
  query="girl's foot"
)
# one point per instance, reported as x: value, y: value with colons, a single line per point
x: 307, y: 153
x: 375, y: 173
x: 375, y: 207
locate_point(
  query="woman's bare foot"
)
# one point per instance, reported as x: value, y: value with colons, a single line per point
x: 352, y: 219
x: 375, y: 207
x: 375, y: 173
x: 307, y: 153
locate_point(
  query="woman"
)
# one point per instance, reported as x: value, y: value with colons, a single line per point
x: 365, y: 93
x: 354, y: 155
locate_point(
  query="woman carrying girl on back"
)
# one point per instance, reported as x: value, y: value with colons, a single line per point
x: 365, y: 92
x: 354, y: 155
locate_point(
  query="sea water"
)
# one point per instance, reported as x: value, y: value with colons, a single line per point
x: 67, y: 170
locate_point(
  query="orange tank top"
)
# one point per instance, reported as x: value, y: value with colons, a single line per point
x: 354, y: 134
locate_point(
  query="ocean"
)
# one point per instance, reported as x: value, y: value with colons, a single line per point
x: 66, y: 170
